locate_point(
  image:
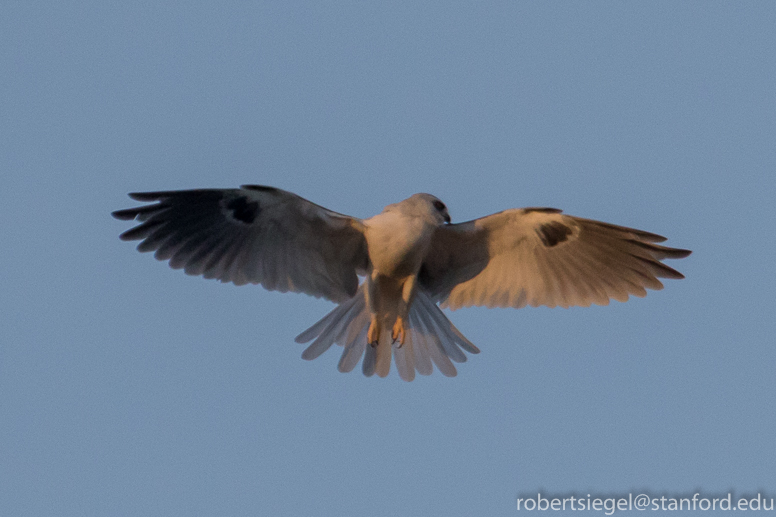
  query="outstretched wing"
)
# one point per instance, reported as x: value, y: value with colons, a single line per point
x: 253, y: 234
x: 538, y: 256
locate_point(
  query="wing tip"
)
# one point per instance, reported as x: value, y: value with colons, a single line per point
x: 146, y: 196
x: 127, y: 214
x: 678, y: 253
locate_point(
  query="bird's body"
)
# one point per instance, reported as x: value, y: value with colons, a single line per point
x: 397, y: 243
x: 412, y: 259
x: 397, y: 240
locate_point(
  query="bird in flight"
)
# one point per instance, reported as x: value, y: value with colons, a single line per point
x: 414, y: 262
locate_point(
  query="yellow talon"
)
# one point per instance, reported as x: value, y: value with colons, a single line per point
x: 373, y: 334
x: 399, y: 331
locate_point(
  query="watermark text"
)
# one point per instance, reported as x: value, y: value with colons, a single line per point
x: 642, y: 501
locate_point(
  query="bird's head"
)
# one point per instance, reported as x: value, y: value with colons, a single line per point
x: 428, y: 205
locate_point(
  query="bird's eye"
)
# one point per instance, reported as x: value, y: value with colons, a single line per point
x: 439, y: 205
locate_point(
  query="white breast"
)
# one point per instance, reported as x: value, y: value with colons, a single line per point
x: 397, y: 243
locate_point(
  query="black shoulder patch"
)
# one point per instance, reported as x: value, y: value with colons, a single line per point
x: 260, y: 188
x: 543, y: 210
x: 553, y: 233
x: 243, y: 210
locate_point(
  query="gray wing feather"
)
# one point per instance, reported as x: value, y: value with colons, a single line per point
x: 538, y: 256
x: 253, y: 234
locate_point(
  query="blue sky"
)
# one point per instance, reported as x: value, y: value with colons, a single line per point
x: 127, y: 388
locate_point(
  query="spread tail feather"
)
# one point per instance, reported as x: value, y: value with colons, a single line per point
x: 431, y: 338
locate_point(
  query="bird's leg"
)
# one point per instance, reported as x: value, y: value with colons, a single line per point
x: 375, y: 328
x: 375, y: 325
x: 399, y: 332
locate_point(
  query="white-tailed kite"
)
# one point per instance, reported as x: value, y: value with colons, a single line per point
x: 412, y: 257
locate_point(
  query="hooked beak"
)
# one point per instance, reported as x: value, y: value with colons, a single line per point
x: 447, y: 218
